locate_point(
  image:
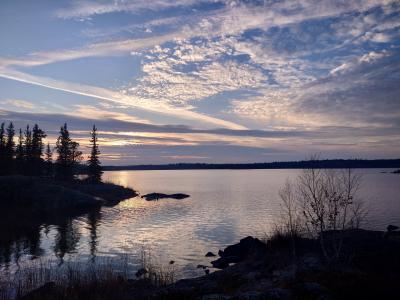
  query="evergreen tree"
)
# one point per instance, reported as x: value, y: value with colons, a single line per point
x: 10, y: 145
x: 19, y: 152
x: 94, y: 167
x: 48, y: 154
x: 2, y: 149
x: 37, y: 149
x: 49, y: 160
x: 68, y: 154
x: 2, y: 137
x: 28, y: 155
x: 37, y: 142
x: 63, y: 148
x: 28, y: 144
x: 9, y: 149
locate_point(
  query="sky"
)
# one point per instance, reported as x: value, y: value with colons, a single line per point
x: 206, y: 80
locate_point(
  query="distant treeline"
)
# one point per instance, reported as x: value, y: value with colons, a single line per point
x: 29, y: 155
x: 304, y: 164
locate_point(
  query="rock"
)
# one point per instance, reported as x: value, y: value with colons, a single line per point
x: 220, y: 263
x: 314, y: 290
x: 210, y: 254
x: 277, y: 294
x: 251, y: 295
x: 171, y: 262
x: 141, y: 272
x: 207, y: 271
x: 248, y: 246
x: 158, y: 196
x: 391, y: 228
x: 214, y: 297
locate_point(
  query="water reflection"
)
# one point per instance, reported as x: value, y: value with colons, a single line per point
x: 93, y: 220
x: 224, y: 206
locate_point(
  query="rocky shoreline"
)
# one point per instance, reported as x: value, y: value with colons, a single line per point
x: 267, y: 270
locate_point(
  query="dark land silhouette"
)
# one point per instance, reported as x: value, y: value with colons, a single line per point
x: 303, y: 164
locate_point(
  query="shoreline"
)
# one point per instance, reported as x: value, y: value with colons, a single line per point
x: 266, y: 270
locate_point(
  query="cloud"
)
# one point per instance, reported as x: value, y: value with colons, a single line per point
x: 92, y: 50
x: 187, y: 72
x: 115, y: 97
x: 18, y: 103
x: 361, y: 92
x: 84, y: 9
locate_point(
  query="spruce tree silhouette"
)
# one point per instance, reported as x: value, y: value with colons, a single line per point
x: 49, y: 161
x: 64, y: 151
x: 94, y: 167
x: 9, y: 149
x: 28, y: 157
x: 19, y: 152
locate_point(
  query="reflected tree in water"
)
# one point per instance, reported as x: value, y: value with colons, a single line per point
x: 93, y: 220
x: 66, y: 239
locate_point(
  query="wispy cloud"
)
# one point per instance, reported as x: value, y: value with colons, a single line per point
x: 116, y: 97
x: 18, y: 103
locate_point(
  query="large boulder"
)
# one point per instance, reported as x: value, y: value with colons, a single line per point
x: 248, y: 247
x: 158, y: 196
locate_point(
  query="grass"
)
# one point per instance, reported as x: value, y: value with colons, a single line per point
x: 110, y: 279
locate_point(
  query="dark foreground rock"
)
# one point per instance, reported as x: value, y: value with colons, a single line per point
x: 369, y: 270
x: 158, y: 196
x: 247, y: 248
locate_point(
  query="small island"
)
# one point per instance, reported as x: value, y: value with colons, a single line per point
x: 34, y: 185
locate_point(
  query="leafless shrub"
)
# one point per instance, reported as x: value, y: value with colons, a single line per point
x: 322, y: 200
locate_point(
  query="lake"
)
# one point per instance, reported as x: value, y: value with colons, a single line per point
x: 224, y: 206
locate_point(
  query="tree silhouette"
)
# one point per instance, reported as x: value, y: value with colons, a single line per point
x: 19, y: 152
x: 63, y: 148
x: 94, y: 167
x: 68, y: 154
x: 27, y: 157
x: 2, y: 149
x: 9, y: 148
x: 49, y: 160
x: 37, y: 142
x: 28, y: 145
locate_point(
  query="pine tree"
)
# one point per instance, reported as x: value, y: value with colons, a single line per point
x: 49, y: 160
x: 37, y: 142
x: 9, y: 149
x: 28, y: 155
x: 68, y: 154
x: 37, y: 149
x: 10, y: 145
x: 94, y: 167
x: 28, y: 144
x: 63, y: 148
x: 19, y: 152
x: 2, y: 150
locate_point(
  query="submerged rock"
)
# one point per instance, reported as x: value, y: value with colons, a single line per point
x: 210, y: 254
x: 158, y: 196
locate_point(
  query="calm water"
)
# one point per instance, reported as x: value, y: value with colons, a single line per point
x: 225, y: 205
